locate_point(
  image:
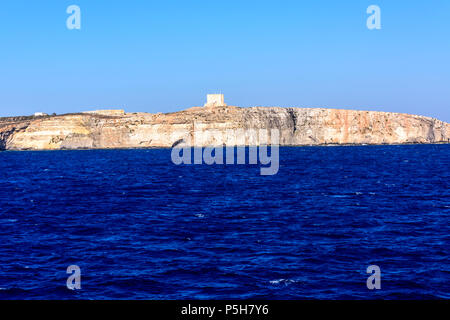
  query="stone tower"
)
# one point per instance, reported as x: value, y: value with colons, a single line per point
x: 215, y: 100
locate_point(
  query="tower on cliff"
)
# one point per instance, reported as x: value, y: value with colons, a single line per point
x: 215, y: 100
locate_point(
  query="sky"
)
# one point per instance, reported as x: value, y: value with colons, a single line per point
x: 165, y: 56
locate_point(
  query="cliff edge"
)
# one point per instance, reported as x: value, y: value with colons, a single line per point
x: 297, y: 126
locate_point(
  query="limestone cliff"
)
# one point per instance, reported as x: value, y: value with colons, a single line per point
x: 297, y: 126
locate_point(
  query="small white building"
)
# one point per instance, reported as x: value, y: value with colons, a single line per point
x: 40, y: 114
x: 215, y: 100
x: 112, y: 112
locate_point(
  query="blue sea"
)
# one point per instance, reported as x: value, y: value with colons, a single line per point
x: 140, y: 227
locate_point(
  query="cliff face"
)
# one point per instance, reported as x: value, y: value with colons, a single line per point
x: 297, y: 126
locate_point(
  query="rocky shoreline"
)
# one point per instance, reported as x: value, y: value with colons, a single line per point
x: 296, y: 126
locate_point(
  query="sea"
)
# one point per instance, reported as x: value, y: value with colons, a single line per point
x: 137, y: 226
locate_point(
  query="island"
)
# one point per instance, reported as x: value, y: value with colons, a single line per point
x: 109, y: 129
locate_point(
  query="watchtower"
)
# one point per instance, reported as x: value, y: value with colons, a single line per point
x: 215, y: 100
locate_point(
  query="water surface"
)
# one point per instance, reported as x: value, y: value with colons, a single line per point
x: 140, y: 227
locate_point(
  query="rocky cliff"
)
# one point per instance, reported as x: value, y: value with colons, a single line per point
x: 297, y: 126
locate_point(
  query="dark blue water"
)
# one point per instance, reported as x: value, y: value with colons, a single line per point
x: 140, y: 227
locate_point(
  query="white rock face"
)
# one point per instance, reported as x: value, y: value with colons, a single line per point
x: 217, y: 126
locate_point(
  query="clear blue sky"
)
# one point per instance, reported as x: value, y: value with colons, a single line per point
x: 163, y: 56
